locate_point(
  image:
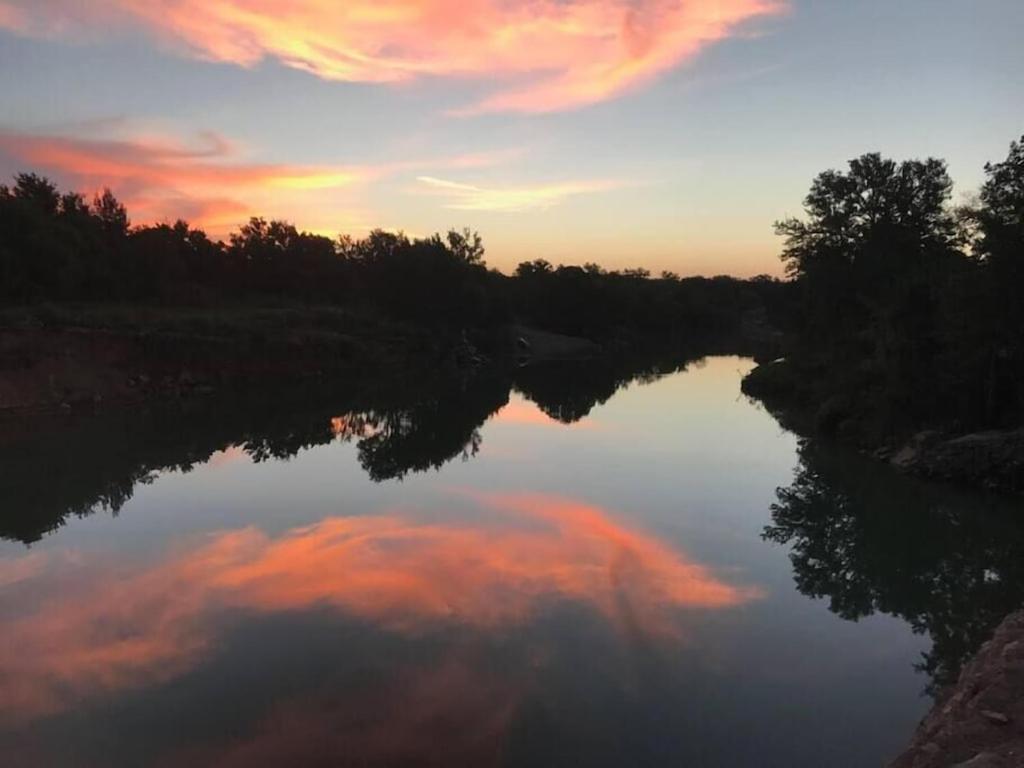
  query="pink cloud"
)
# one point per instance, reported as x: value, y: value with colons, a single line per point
x: 208, y: 182
x: 161, y: 180
x: 545, y: 55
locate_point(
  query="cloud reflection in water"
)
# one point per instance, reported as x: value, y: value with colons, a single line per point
x: 114, y: 627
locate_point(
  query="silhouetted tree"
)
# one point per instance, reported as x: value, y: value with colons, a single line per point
x: 56, y: 247
x: 999, y: 220
x: 37, y: 193
x: 909, y: 311
x: 111, y: 214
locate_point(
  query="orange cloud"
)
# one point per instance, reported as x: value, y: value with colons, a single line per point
x: 547, y: 54
x: 108, y: 631
x: 161, y: 180
x: 206, y: 182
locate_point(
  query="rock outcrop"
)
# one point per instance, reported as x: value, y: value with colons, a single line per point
x: 979, y: 723
x: 992, y: 459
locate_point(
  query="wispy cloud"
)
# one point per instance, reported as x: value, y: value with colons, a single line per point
x: 546, y: 55
x: 469, y: 197
x: 208, y: 180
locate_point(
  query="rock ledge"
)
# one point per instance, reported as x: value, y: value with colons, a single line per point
x: 979, y: 723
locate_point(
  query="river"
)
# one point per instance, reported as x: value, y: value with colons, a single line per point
x: 569, y: 565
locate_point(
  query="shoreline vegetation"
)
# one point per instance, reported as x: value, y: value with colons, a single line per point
x: 906, y: 338
x: 99, y: 311
x: 907, y: 342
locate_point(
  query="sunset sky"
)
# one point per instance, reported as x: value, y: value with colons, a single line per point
x: 661, y: 133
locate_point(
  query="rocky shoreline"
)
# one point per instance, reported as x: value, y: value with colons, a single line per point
x: 979, y: 722
x: 991, y: 460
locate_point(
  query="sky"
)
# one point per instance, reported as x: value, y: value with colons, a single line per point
x: 667, y: 134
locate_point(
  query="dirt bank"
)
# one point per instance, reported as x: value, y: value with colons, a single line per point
x: 79, y: 358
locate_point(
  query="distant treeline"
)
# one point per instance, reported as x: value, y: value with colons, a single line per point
x: 909, y: 310
x: 59, y: 247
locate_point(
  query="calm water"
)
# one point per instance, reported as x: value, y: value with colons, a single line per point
x: 556, y: 573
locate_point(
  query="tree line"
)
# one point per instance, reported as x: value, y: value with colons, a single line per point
x: 58, y: 247
x: 907, y: 308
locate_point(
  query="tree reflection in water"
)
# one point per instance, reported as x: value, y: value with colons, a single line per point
x: 74, y: 466
x: 950, y: 563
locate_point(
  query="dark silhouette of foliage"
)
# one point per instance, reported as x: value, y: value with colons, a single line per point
x: 567, y: 390
x: 58, y: 248
x: 999, y: 248
x: 75, y: 466
x: 908, y: 309
x: 609, y: 305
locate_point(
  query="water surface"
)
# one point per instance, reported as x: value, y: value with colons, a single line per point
x: 572, y: 565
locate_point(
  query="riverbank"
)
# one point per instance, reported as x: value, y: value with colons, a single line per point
x: 993, y: 459
x: 70, y: 357
x: 75, y: 357
x: 62, y: 358
x: 979, y: 723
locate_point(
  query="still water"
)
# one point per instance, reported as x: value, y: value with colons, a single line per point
x: 558, y: 566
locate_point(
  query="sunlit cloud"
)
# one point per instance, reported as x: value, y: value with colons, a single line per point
x: 470, y: 197
x: 203, y: 181
x: 209, y: 182
x: 110, y: 626
x: 544, y: 55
